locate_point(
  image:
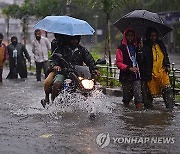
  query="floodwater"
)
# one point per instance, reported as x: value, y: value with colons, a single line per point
x: 65, y: 128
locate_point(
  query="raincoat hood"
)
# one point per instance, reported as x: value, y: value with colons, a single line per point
x: 124, y: 41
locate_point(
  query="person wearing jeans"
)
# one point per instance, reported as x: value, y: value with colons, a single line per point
x: 39, y: 66
x: 40, y: 48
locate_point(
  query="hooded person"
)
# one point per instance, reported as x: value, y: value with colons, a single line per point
x: 17, y: 63
x: 129, y: 71
x: 155, y: 67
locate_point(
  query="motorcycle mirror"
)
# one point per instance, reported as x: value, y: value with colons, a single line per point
x: 101, y: 61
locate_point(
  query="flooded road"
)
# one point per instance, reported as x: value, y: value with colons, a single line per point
x: 27, y: 128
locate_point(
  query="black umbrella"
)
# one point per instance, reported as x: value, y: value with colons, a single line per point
x: 140, y: 20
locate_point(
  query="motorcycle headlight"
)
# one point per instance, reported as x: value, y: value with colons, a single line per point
x: 80, y: 78
x: 87, y: 84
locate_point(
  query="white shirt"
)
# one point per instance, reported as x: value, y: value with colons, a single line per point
x: 40, y: 49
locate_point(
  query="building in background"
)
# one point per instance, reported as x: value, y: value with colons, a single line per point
x: 15, y: 25
x: 172, y: 19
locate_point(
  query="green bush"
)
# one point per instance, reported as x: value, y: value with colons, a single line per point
x: 177, y: 98
x: 95, y: 55
x: 102, y: 79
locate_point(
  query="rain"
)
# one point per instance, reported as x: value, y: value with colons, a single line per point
x: 97, y: 123
x: 65, y: 127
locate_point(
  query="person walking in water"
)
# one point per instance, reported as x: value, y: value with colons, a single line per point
x: 155, y: 68
x: 129, y: 70
x: 40, y: 48
x: 17, y: 63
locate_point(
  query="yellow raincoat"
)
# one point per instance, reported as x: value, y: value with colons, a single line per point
x: 160, y: 78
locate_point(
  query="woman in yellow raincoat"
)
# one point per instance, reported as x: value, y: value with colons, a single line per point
x: 154, y: 69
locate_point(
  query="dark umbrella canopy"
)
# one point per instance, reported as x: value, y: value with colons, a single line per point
x: 140, y: 20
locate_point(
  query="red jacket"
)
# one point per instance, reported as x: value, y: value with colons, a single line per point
x: 123, y: 61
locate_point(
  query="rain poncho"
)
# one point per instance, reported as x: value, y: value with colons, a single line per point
x: 145, y: 60
x: 160, y: 78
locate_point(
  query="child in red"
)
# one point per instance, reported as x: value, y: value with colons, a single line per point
x: 129, y: 70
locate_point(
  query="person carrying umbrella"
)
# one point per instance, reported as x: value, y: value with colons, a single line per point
x: 48, y: 82
x: 129, y: 70
x: 69, y: 31
x: 154, y: 69
x: 70, y: 49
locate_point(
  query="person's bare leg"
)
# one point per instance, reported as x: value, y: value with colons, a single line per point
x: 47, y: 88
x: 48, y: 85
x: 56, y: 89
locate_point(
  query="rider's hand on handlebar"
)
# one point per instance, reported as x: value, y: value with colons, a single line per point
x: 57, y: 68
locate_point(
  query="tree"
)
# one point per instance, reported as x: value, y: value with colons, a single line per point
x: 24, y: 13
x: 20, y: 12
x: 43, y: 8
x: 162, y: 5
x: 9, y: 12
x: 107, y: 7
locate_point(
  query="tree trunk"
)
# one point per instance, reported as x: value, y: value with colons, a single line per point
x: 108, y: 50
x: 108, y: 39
x: 25, y: 29
x: 7, y: 30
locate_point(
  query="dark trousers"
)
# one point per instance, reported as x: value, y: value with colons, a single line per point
x: 147, y: 97
x: 130, y: 89
x: 39, y: 67
x: 1, y: 71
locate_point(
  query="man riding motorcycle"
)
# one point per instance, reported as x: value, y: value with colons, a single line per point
x: 72, y: 52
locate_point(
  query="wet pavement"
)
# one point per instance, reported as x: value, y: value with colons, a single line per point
x: 65, y: 128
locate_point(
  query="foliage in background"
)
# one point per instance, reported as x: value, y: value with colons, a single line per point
x: 162, y: 5
x: 43, y: 8
x: 95, y: 55
x: 108, y: 12
x: 177, y: 98
x: 116, y: 9
x: 102, y: 79
x: 23, y: 13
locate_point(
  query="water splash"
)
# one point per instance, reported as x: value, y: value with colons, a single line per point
x: 97, y: 102
x: 66, y: 102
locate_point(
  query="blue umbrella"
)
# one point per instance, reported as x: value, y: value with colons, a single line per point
x: 65, y: 25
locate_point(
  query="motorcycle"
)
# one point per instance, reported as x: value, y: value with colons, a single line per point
x: 78, y: 79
